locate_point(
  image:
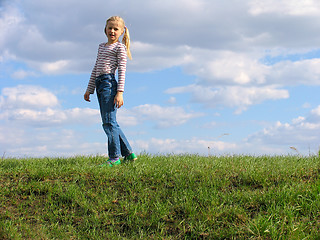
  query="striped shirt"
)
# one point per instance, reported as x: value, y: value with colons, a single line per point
x: 109, y: 59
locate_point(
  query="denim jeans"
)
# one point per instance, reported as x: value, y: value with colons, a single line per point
x: 106, y: 88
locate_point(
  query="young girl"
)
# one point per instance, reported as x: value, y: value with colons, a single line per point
x: 112, y: 56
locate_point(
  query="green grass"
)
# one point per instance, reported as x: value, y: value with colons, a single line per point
x: 161, y: 197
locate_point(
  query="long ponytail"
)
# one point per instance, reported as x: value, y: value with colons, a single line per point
x: 126, y: 41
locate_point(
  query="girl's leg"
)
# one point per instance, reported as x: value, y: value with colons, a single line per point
x: 111, y: 129
x: 125, y: 147
x: 106, y: 88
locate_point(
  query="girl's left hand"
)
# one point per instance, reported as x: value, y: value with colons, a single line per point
x: 118, y: 99
x: 87, y: 96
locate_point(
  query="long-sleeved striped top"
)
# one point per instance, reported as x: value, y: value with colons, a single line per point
x: 109, y: 59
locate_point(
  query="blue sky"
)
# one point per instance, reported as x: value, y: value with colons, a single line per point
x: 239, y: 77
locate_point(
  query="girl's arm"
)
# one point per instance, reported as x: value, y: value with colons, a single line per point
x: 122, y: 65
x: 91, y: 84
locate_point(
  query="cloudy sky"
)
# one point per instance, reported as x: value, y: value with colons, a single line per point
x: 236, y: 76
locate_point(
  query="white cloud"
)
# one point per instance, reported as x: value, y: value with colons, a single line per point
x: 316, y: 111
x: 43, y: 124
x: 37, y: 106
x: 40, y: 142
x: 26, y: 96
x: 302, y: 133
x: 21, y: 74
x: 209, y: 125
x: 234, y: 68
x: 48, y: 43
x: 230, y: 79
x: 34, y: 124
x: 9, y: 20
x: 234, y: 96
x: 304, y: 72
x: 226, y: 67
x: 228, y: 70
x: 38, y: 50
x: 50, y: 47
x: 149, y: 57
x: 172, y: 100
x: 49, y: 116
x: 53, y: 67
x: 127, y: 118
x: 174, y: 146
x: 164, y: 117
x: 287, y: 7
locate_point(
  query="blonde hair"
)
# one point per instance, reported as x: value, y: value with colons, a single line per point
x: 126, y: 35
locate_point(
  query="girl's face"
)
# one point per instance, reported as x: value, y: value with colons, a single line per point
x: 114, y: 30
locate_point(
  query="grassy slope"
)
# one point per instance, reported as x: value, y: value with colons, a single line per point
x: 161, y: 197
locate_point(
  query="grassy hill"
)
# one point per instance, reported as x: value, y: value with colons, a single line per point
x: 161, y: 197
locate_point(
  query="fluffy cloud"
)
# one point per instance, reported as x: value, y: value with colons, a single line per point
x: 34, y: 124
x: 48, y: 45
x: 21, y: 74
x: 214, y: 67
x: 37, y: 106
x: 25, y: 96
x: 149, y: 57
x: 302, y: 133
x: 233, y: 96
x: 10, y: 18
x: 289, y: 73
x: 43, y: 124
x: 194, y: 145
x: 287, y: 7
x: 40, y: 142
x: 163, y: 117
x: 52, y: 117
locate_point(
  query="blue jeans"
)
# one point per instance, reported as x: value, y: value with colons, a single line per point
x: 106, y: 88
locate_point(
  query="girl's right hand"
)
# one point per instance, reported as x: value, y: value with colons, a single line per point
x: 87, y: 96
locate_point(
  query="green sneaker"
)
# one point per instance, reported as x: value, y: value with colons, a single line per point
x: 131, y: 157
x: 110, y: 164
x: 118, y: 162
